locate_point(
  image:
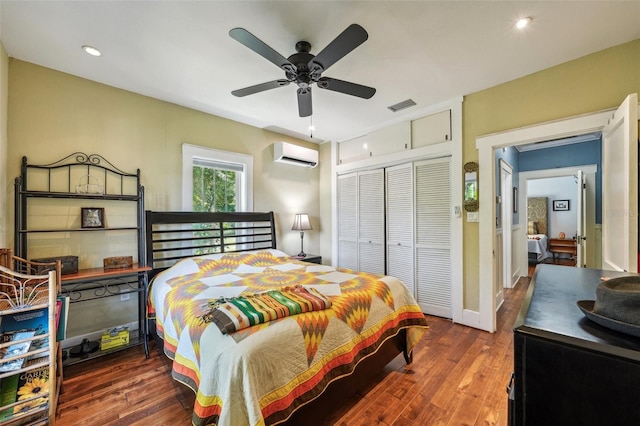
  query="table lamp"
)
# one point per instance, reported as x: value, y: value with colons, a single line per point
x: 301, y: 223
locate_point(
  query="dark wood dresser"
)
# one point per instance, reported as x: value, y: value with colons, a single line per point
x: 568, y: 369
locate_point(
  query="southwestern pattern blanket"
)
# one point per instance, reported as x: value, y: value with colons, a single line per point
x: 235, y: 313
x: 261, y: 374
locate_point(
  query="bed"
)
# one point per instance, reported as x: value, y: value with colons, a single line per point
x: 265, y: 370
x: 537, y: 239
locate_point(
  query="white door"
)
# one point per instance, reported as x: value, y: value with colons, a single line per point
x: 399, y: 206
x: 581, y: 231
x: 371, y: 227
x: 506, y: 195
x: 348, y: 221
x: 620, y: 188
x: 433, y: 236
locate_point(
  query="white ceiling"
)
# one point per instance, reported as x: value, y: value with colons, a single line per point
x: 429, y: 51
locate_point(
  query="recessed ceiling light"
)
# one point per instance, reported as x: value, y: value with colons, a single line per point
x: 522, y: 23
x: 91, y: 50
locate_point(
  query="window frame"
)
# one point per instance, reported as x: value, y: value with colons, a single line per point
x: 193, y: 152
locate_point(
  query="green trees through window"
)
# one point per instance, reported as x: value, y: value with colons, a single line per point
x: 216, y: 181
x: 214, y: 189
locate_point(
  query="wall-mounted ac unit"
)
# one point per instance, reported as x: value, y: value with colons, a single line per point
x: 294, y: 154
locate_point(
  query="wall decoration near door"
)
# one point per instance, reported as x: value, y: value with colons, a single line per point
x: 471, y: 187
x: 515, y: 199
x: 560, y: 205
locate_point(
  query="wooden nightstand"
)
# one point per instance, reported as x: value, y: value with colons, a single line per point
x: 311, y: 258
x: 563, y: 246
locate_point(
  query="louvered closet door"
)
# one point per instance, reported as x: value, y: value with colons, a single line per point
x: 433, y: 236
x: 399, y: 205
x: 348, y: 221
x: 371, y: 256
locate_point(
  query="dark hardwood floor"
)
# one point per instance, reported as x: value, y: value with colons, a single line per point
x: 458, y: 377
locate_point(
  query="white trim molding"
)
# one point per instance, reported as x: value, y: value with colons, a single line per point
x: 192, y: 152
x: 486, y: 145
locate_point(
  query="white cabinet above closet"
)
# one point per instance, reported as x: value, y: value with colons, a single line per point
x: 385, y: 141
x: 432, y: 129
x: 404, y: 136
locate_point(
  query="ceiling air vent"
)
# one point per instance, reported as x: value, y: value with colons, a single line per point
x: 402, y: 105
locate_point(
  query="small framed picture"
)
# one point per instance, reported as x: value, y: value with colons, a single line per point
x: 560, y: 205
x: 92, y: 217
x: 515, y: 199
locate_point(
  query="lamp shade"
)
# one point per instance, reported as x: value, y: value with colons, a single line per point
x: 301, y: 222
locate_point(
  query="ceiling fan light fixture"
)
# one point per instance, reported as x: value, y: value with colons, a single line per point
x: 91, y: 50
x: 402, y: 105
x: 522, y: 23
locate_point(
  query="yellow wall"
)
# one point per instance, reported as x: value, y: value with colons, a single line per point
x: 592, y: 83
x: 326, y: 203
x: 52, y: 114
x: 4, y: 182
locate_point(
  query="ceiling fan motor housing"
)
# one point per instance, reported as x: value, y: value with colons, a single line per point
x: 304, y: 69
x: 301, y: 60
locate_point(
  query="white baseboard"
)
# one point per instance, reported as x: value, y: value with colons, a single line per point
x: 500, y: 299
x: 514, y: 278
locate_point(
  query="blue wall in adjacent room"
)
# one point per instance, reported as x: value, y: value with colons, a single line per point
x: 578, y: 154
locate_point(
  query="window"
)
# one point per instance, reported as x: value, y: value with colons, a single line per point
x: 214, y: 180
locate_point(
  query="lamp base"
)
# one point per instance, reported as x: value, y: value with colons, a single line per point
x: 301, y: 254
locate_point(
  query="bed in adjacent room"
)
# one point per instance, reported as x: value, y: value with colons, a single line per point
x: 537, y: 239
x: 257, y: 334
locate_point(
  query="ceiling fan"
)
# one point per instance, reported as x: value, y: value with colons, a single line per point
x: 304, y: 69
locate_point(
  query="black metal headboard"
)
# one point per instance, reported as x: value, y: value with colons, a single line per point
x: 171, y: 236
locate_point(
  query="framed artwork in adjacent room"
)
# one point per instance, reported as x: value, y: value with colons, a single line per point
x: 560, y: 205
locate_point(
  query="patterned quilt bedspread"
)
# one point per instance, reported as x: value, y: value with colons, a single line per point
x: 259, y: 375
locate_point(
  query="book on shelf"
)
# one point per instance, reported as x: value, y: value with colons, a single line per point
x: 23, y: 393
x: 36, y: 320
x: 61, y: 317
x: 58, y: 310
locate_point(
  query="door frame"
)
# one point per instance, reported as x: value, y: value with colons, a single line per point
x: 486, y: 146
x: 589, y: 171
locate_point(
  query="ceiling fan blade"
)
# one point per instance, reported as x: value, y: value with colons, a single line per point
x: 346, y: 87
x: 261, y: 48
x: 259, y: 88
x: 348, y: 40
x: 304, y: 102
